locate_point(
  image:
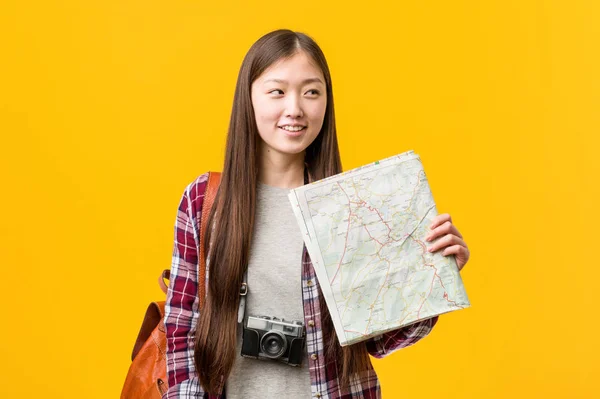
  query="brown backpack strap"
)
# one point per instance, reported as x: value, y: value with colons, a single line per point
x: 214, y: 178
x: 165, y: 275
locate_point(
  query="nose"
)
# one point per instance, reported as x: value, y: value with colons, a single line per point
x: 293, y: 107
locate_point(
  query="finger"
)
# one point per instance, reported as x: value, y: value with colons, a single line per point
x: 455, y: 249
x: 439, y: 219
x: 447, y: 240
x: 445, y: 228
x: 459, y: 252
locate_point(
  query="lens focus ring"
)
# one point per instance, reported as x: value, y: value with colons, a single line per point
x: 273, y: 344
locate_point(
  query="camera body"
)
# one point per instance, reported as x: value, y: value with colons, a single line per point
x: 266, y: 337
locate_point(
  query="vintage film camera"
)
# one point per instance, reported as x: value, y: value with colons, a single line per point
x: 266, y: 337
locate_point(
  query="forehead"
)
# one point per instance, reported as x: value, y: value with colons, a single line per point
x: 295, y: 69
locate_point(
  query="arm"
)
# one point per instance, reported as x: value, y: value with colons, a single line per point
x: 181, y: 307
x: 391, y: 341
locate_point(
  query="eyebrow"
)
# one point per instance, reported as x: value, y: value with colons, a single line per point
x: 305, y: 81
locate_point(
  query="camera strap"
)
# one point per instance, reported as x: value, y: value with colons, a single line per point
x: 243, y: 293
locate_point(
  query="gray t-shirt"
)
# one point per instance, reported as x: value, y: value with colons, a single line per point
x: 274, y: 285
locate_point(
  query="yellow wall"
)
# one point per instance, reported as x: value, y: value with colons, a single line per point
x: 109, y: 108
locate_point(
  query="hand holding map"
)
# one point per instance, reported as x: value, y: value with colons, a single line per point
x: 365, y: 232
x: 448, y: 239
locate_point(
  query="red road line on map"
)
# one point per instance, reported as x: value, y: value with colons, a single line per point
x: 446, y: 298
x: 374, y: 239
x: 346, y: 240
x: 387, y: 274
x: 441, y: 283
x: 380, y: 217
x: 363, y: 202
x: 432, y: 280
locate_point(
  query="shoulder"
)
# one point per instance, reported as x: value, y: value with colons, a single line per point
x: 196, y: 188
x: 193, y: 196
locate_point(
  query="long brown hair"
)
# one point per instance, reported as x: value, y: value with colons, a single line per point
x: 234, y: 205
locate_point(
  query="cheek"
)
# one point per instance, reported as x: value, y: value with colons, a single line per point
x: 265, y: 112
x: 317, y: 112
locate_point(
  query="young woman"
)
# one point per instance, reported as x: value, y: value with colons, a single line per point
x: 282, y: 134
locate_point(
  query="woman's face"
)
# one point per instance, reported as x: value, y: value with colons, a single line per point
x: 289, y: 101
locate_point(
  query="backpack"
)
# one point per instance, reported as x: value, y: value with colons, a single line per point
x: 147, y: 375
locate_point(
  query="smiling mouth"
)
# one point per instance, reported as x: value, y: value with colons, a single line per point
x: 293, y: 129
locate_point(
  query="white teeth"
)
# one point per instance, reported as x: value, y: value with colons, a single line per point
x: 292, y: 128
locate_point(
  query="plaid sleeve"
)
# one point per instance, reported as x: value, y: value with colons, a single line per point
x: 181, y: 307
x: 389, y: 342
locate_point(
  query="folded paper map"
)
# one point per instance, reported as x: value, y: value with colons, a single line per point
x: 365, y: 231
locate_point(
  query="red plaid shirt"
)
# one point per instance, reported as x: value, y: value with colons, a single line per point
x: 181, y: 314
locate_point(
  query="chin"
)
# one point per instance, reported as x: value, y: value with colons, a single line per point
x: 286, y: 146
x: 291, y: 151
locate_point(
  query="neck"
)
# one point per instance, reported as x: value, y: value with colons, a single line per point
x: 281, y: 170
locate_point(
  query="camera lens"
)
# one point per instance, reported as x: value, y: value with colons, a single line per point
x: 273, y: 344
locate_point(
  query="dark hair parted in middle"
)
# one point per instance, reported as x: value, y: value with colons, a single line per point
x: 234, y: 211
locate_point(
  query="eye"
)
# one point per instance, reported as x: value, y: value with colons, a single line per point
x: 276, y: 90
x: 316, y: 92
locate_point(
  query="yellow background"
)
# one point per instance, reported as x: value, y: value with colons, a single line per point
x: 108, y: 109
